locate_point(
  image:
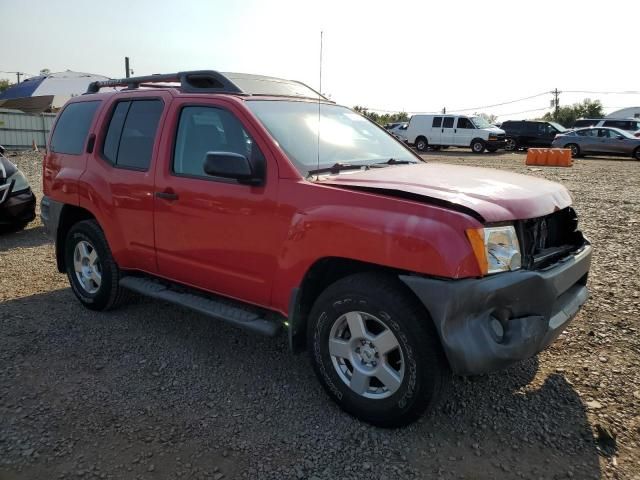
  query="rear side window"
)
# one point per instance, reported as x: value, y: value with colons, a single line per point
x: 448, y: 122
x: 132, y: 132
x: 72, y: 128
x: 437, y: 122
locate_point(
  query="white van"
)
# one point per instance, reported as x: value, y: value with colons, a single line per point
x: 438, y: 131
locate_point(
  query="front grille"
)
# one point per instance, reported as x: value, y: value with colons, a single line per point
x: 544, y: 240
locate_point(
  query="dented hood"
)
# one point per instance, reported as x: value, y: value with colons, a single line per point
x: 495, y: 195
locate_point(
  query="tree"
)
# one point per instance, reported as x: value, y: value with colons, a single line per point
x: 382, y: 119
x: 489, y: 117
x: 5, y: 84
x: 568, y: 115
x: 45, y: 72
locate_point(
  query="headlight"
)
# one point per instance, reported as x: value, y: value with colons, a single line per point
x: 19, y: 181
x: 496, y: 248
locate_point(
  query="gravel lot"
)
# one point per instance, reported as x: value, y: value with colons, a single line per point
x: 152, y: 391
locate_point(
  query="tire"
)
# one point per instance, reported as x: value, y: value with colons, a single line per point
x: 421, y: 144
x: 93, y: 273
x: 636, y: 153
x: 492, y: 149
x: 478, y: 146
x: 355, y: 312
x: 575, y: 149
x: 511, y: 145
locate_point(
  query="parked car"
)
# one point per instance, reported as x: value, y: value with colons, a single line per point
x: 389, y: 126
x: 601, y: 141
x: 400, y: 131
x: 17, y: 201
x: 222, y: 195
x: 436, y: 131
x: 530, y: 133
x: 628, y: 124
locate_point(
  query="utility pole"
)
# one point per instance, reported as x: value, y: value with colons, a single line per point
x: 18, y: 75
x: 444, y: 110
x: 556, y: 102
x: 126, y: 67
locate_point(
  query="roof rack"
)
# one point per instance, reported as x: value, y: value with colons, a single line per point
x: 201, y: 81
x: 210, y: 81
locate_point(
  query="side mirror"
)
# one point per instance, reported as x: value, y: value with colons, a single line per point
x: 235, y: 166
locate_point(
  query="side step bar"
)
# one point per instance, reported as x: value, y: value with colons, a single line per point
x: 237, y: 314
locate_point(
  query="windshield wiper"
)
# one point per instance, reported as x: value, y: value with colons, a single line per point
x: 338, y: 167
x: 393, y: 161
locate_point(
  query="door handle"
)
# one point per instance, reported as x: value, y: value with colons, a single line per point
x: 167, y: 195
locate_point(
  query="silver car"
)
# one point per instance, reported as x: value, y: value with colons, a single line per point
x: 599, y: 141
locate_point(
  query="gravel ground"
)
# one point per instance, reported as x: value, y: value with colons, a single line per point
x: 152, y: 391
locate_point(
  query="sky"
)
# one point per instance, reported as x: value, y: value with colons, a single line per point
x: 416, y: 56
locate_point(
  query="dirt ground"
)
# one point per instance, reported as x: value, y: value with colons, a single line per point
x: 152, y: 391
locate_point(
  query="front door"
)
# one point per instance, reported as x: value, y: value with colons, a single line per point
x: 464, y: 132
x: 213, y: 233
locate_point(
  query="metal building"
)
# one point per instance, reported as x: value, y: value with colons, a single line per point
x: 18, y: 130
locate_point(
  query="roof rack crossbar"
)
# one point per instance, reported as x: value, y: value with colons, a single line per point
x: 194, y: 81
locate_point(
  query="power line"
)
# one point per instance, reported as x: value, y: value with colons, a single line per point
x: 499, y: 104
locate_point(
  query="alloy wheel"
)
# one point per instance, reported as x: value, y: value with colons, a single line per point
x: 86, y: 264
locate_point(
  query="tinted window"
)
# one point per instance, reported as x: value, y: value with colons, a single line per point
x: 448, y: 122
x: 584, y: 123
x: 464, y: 122
x: 511, y: 126
x: 132, y: 131
x: 72, y: 128
x: 530, y: 128
x: 591, y: 132
x: 209, y: 129
x: 437, y: 122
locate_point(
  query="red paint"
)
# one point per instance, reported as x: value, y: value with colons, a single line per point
x: 257, y: 243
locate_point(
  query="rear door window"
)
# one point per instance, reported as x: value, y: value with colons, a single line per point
x: 72, y: 127
x: 132, y: 132
x: 448, y: 122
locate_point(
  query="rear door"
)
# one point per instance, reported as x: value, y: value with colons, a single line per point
x: 447, y: 135
x: 214, y: 233
x: 435, y: 137
x: 120, y: 178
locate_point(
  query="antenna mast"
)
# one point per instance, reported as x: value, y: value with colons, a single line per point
x: 320, y: 93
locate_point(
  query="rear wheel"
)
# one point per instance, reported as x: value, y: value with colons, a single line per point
x: 511, y: 145
x: 477, y: 146
x: 375, y: 350
x: 636, y: 153
x: 93, y: 273
x: 575, y: 149
x: 421, y: 144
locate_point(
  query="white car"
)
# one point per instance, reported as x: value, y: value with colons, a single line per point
x: 438, y: 131
x: 399, y: 131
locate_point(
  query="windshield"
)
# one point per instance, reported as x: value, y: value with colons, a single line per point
x: 345, y: 136
x: 481, y: 122
x: 558, y: 127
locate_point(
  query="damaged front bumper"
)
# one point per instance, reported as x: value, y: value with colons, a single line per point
x: 489, y: 323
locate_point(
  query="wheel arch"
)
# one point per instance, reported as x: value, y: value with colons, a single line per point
x: 69, y: 216
x: 321, y: 275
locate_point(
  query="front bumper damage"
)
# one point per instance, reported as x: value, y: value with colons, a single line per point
x: 489, y: 323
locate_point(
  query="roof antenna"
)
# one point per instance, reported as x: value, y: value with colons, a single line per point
x: 319, y: 94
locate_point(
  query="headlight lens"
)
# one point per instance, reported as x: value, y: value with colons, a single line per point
x: 20, y: 182
x: 496, y: 248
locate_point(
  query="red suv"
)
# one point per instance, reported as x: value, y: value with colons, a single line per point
x: 259, y: 202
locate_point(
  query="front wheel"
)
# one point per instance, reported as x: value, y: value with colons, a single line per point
x: 511, y: 145
x: 91, y: 269
x: 636, y: 153
x: 422, y: 144
x: 477, y: 146
x: 575, y: 150
x: 375, y: 350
